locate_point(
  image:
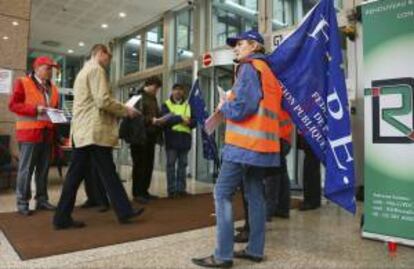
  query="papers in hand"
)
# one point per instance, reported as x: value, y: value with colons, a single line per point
x: 56, y: 115
x: 222, y: 93
x: 213, y: 122
x: 133, y: 100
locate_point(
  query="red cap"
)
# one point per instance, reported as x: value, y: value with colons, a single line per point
x: 44, y: 60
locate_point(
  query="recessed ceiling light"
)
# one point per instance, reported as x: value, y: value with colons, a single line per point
x: 122, y: 14
x: 5, y: 37
x: 81, y: 44
x: 70, y: 51
x: 104, y: 25
x: 15, y: 23
x: 134, y: 54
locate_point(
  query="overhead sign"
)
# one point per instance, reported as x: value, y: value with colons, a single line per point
x: 6, y: 81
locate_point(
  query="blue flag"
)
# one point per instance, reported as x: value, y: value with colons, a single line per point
x: 308, y: 63
x: 196, y: 101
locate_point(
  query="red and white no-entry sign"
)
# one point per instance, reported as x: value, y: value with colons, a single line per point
x: 207, y: 60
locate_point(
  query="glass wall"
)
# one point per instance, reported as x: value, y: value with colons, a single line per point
x: 184, y: 35
x: 283, y: 14
x: 290, y: 12
x: 131, y: 48
x: 154, y: 46
x: 232, y: 17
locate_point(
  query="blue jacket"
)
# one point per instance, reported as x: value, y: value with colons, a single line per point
x: 248, y: 92
x: 176, y: 140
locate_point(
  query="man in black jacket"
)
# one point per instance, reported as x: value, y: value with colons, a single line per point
x: 143, y: 153
x: 178, y: 122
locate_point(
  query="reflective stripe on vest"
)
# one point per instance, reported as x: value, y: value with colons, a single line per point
x: 180, y: 110
x: 34, y: 97
x: 260, y: 131
x: 286, y: 126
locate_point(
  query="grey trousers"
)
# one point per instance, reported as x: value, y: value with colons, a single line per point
x: 33, y: 158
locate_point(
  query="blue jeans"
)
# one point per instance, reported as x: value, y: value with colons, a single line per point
x: 176, y: 178
x: 231, y: 176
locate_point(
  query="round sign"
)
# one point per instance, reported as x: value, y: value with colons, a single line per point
x: 207, y: 59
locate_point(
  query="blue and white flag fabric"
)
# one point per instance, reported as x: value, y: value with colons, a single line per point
x: 198, y: 105
x: 309, y: 65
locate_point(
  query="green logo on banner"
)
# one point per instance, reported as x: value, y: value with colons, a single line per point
x: 391, y: 114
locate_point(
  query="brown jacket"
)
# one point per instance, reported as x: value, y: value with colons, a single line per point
x: 95, y: 111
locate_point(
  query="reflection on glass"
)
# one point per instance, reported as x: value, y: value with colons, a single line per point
x: 232, y: 17
x: 283, y: 14
x: 131, y: 54
x: 155, y: 46
x: 184, y: 35
x: 184, y: 77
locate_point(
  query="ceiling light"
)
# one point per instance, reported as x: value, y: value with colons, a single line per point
x: 15, y: 23
x: 70, y: 51
x: 81, y: 44
x: 5, y: 37
x: 134, y: 54
x: 122, y: 14
x: 104, y: 25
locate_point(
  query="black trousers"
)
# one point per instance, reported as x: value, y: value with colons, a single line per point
x: 311, y: 178
x: 94, y: 189
x: 142, y: 167
x: 102, y: 161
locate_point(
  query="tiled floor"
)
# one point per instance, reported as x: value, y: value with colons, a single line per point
x: 324, y: 238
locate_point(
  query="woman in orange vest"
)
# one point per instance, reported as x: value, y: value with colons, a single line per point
x: 251, y: 146
x: 31, y: 97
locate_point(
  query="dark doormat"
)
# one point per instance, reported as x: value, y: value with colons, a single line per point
x: 34, y: 236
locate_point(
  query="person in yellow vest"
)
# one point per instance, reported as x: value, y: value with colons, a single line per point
x: 251, y: 147
x: 177, y: 129
x: 32, y: 96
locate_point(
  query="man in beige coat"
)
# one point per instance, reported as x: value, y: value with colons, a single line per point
x: 94, y: 133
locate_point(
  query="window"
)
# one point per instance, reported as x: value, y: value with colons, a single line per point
x: 290, y: 12
x: 131, y: 54
x: 184, y: 35
x: 155, y: 46
x: 283, y: 14
x: 232, y: 17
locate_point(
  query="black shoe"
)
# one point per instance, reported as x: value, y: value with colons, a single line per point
x: 24, y: 211
x: 141, y: 199
x: 282, y: 215
x: 173, y: 195
x: 240, y: 229
x: 135, y: 213
x: 306, y: 207
x: 103, y: 209
x: 152, y: 197
x: 71, y: 225
x: 45, y: 206
x: 88, y: 204
x: 242, y: 237
x: 183, y: 194
x: 210, y: 261
x: 242, y: 254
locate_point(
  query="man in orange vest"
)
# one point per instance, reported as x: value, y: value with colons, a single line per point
x: 251, y: 146
x: 32, y: 96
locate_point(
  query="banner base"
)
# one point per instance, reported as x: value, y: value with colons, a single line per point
x: 387, y: 238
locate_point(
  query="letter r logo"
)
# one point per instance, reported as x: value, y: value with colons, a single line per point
x: 392, y: 110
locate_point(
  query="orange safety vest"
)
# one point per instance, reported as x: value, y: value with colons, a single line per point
x: 286, y: 126
x: 34, y: 97
x: 259, y: 132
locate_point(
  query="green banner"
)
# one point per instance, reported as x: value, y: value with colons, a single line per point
x: 388, y: 36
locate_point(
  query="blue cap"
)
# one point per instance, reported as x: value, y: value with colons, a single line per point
x: 249, y: 35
